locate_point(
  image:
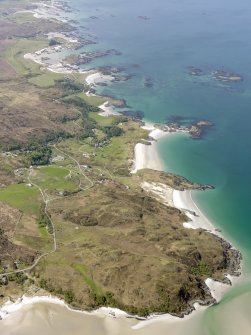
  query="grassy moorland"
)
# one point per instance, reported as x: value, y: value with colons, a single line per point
x: 53, y: 178
x: 22, y: 197
x: 99, y: 238
x: 46, y: 79
x: 14, y: 55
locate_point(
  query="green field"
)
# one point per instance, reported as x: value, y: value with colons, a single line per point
x: 101, y: 120
x: 120, y: 148
x: 43, y: 231
x: 37, y: 243
x: 22, y: 197
x: 46, y: 79
x: 14, y: 55
x: 95, y: 100
x: 75, y: 147
x: 22, y: 17
x: 53, y: 178
x: 92, y: 100
x: 115, y: 151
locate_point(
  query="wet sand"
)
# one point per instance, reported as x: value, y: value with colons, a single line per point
x: 232, y: 316
x: 41, y: 318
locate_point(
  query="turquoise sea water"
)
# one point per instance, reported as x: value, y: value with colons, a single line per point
x: 209, y: 35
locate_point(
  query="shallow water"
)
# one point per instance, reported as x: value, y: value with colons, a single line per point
x: 205, y: 34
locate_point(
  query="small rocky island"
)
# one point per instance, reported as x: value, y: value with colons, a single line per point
x: 148, y: 82
x: 195, y: 128
x: 143, y: 17
x: 219, y: 75
x: 193, y: 71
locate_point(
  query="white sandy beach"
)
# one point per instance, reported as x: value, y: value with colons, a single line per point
x: 146, y: 156
x: 97, y: 78
x: 11, y: 307
x: 49, y: 318
x: 108, y: 110
x: 184, y: 201
x: 34, y: 315
x: 160, y: 191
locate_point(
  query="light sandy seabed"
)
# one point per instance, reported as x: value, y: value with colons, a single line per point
x: 34, y: 315
x: 231, y: 318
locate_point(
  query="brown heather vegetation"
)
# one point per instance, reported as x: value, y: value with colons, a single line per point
x: 26, y: 115
x: 128, y: 250
x: 9, y: 251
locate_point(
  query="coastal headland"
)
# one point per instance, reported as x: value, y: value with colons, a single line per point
x: 87, y: 215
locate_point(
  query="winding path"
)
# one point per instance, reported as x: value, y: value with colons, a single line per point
x: 46, y: 202
x: 79, y: 168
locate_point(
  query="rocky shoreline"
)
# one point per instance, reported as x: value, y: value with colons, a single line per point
x: 196, y: 129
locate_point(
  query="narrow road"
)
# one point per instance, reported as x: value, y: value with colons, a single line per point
x: 53, y: 233
x: 79, y: 168
x: 46, y: 202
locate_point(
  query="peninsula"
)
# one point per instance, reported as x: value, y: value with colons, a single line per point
x: 78, y: 220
